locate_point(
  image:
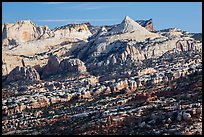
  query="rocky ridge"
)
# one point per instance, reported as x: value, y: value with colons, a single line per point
x: 80, y: 31
x: 104, y: 49
x: 128, y: 25
x: 119, y: 80
x: 148, y: 24
x: 24, y: 31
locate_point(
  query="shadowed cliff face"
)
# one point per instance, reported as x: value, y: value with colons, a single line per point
x: 148, y: 24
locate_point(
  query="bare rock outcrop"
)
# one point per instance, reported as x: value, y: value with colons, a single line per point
x: 147, y: 71
x: 120, y: 44
x: 187, y: 45
x: 148, y: 24
x: 197, y: 36
x: 24, y: 31
x: 79, y: 31
x: 124, y: 54
x: 129, y: 25
x: 172, y: 32
x: 4, y: 68
x: 72, y: 65
x: 52, y: 66
x: 23, y: 73
x: 105, y: 49
x: 99, y: 33
x: 118, y: 52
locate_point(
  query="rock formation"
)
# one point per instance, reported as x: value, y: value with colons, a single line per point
x: 128, y: 25
x: 23, y: 73
x: 99, y: 33
x: 79, y: 31
x: 123, y: 79
x: 147, y: 24
x: 4, y: 68
x: 52, y: 66
x: 129, y: 42
x: 24, y: 31
x: 117, y: 45
x: 72, y: 65
x: 197, y: 36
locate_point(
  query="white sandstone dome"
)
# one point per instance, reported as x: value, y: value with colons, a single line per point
x: 128, y: 25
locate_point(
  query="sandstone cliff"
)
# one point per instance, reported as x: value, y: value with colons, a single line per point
x: 131, y: 43
x: 148, y: 24
x: 117, y: 45
x: 24, y: 31
x: 79, y: 31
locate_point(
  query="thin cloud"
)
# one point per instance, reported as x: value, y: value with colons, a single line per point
x: 94, y: 8
x: 53, y: 20
x: 74, y: 20
x: 53, y: 3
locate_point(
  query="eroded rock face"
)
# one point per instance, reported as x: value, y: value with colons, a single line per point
x: 197, y: 36
x: 103, y: 51
x: 72, y: 65
x: 147, y: 71
x: 23, y: 73
x: 127, y: 53
x: 114, y: 53
x: 120, y: 44
x: 99, y: 33
x: 38, y: 68
x: 52, y: 66
x: 128, y: 25
x: 187, y: 45
x: 148, y: 24
x: 4, y: 68
x: 172, y: 32
x: 23, y: 31
x: 80, y: 31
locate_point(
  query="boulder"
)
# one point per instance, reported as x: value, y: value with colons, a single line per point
x: 186, y: 116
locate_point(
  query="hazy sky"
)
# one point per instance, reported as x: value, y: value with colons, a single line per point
x: 184, y: 15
